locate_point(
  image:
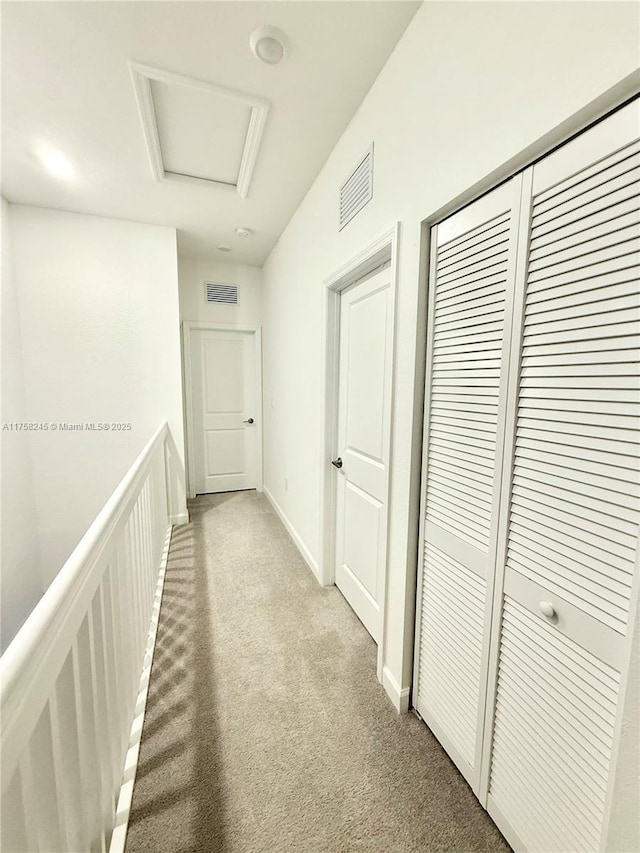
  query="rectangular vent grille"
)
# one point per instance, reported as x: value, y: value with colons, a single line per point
x: 357, y: 190
x: 223, y: 294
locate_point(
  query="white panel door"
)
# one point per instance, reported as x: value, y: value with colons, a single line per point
x: 471, y: 297
x: 363, y: 439
x: 223, y: 375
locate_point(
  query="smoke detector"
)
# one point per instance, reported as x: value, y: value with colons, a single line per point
x: 268, y: 44
x: 244, y: 232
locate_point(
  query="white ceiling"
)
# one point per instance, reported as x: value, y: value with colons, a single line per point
x: 66, y: 84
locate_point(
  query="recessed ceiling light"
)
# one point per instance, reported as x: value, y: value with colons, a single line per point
x: 224, y: 248
x: 244, y: 232
x: 56, y: 163
x: 268, y: 44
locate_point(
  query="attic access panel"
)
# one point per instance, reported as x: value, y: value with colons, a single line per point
x: 196, y: 131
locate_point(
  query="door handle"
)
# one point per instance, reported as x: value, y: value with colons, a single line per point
x: 250, y: 421
x: 337, y: 463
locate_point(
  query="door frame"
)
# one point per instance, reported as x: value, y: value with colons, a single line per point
x: 382, y: 251
x: 189, y: 326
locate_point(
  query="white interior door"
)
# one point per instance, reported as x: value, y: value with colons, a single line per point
x: 363, y: 445
x: 571, y: 508
x: 223, y: 375
x: 471, y: 298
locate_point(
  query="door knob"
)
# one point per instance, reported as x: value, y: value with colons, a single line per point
x: 547, y: 609
x: 250, y: 421
x: 337, y: 463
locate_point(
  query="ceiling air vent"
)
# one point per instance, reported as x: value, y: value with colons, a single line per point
x: 223, y: 294
x: 357, y: 190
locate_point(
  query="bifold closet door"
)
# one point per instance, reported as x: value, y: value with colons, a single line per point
x: 471, y: 287
x: 571, y: 495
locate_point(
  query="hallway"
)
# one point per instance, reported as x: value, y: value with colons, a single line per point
x: 266, y: 728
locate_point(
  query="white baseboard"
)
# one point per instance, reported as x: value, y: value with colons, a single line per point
x: 180, y: 518
x: 293, y: 533
x: 123, y: 810
x: 399, y: 695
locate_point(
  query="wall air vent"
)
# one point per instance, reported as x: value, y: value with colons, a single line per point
x: 222, y: 294
x: 357, y: 190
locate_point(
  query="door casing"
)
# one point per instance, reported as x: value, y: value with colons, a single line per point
x: 382, y: 251
x: 187, y: 327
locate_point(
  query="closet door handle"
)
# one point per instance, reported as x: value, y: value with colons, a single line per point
x: 547, y: 609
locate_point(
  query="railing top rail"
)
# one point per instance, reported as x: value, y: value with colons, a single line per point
x: 59, y: 596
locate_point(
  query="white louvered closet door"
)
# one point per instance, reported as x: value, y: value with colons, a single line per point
x: 471, y: 289
x: 571, y: 497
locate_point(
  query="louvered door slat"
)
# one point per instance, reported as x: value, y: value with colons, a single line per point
x: 560, y: 519
x: 591, y: 257
x: 579, y: 727
x: 616, y: 468
x: 487, y: 256
x: 574, y: 322
x: 607, y: 369
x: 451, y: 642
x: 474, y: 286
x: 601, y: 305
x: 468, y: 306
x: 593, y: 558
x: 484, y: 233
x: 520, y: 750
x: 600, y: 298
x: 557, y: 753
x: 605, y: 173
x: 462, y: 407
x: 564, y: 571
x: 613, y: 234
x: 582, y: 806
x: 576, y: 235
x: 626, y: 271
x: 468, y: 454
x: 608, y: 526
x: 596, y: 189
x: 597, y: 210
x: 575, y: 500
x: 588, y: 226
x: 619, y: 161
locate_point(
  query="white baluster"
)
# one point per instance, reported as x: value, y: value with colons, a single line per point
x: 64, y: 728
x: 100, y: 721
x: 14, y: 823
x: 91, y: 774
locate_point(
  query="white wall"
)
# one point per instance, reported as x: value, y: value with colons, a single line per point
x: 469, y: 86
x: 99, y: 320
x: 193, y: 272
x: 20, y: 578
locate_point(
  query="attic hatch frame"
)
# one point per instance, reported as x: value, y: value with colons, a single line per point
x: 142, y: 75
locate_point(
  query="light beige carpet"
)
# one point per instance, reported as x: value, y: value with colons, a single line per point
x: 266, y: 728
